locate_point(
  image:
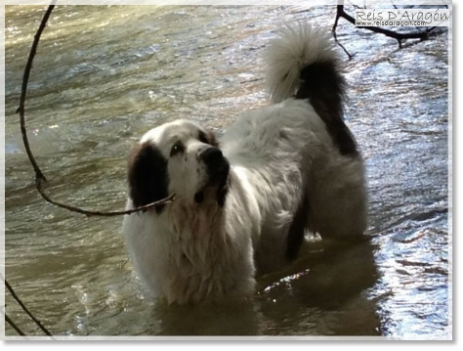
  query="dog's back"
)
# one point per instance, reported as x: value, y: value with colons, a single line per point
x: 301, y: 63
x: 302, y: 159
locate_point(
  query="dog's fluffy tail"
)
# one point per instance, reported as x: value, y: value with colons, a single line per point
x: 301, y: 62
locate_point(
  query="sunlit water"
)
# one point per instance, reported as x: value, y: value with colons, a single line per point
x: 105, y: 75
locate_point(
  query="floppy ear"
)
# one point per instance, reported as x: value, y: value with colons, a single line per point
x: 147, y: 176
x: 212, y: 139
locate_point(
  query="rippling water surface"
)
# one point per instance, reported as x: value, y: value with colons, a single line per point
x: 105, y: 75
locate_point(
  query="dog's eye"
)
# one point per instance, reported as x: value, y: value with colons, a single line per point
x: 177, y: 148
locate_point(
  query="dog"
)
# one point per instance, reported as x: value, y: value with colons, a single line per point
x: 244, y: 203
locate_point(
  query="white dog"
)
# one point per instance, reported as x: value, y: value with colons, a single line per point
x: 243, y: 205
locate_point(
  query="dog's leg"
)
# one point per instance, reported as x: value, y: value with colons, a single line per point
x: 295, y: 236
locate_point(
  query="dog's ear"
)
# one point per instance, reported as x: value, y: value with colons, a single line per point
x: 212, y: 139
x: 147, y: 176
x: 208, y: 137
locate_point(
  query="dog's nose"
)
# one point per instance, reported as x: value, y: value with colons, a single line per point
x: 212, y: 157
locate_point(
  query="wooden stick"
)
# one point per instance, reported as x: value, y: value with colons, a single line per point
x: 23, y: 306
x: 13, y: 325
x: 39, y: 176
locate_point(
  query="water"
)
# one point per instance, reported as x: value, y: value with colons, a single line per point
x: 105, y: 75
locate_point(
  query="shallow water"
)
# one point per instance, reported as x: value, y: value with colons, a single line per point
x: 105, y: 75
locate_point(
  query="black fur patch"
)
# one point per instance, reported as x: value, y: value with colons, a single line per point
x: 295, y: 236
x: 222, y: 192
x: 324, y: 86
x: 208, y: 138
x: 147, y: 176
x: 212, y: 139
x: 199, y: 197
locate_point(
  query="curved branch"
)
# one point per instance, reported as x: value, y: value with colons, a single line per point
x: 90, y: 213
x: 22, y: 99
x: 18, y: 300
x: 39, y: 176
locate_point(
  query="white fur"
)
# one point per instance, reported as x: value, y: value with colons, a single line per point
x: 295, y: 47
x: 191, y: 251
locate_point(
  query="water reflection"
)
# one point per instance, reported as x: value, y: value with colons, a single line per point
x: 333, y: 290
x: 324, y: 293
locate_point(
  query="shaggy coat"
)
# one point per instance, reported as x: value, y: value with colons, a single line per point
x: 244, y: 204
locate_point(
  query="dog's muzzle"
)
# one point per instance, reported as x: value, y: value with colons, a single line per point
x: 217, y: 167
x: 216, y: 164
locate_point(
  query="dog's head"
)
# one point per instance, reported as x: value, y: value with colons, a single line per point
x: 178, y: 158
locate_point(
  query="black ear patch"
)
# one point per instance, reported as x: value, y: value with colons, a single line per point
x: 147, y: 176
x: 208, y: 138
x: 212, y: 139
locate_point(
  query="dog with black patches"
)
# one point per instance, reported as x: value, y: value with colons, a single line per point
x: 243, y: 205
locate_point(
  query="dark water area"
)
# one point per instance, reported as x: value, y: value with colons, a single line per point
x: 105, y: 75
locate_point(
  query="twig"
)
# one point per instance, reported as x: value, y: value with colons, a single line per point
x: 22, y: 99
x: 333, y: 30
x: 90, y: 213
x: 356, y: 6
x: 16, y: 297
x: 394, y: 5
x: 39, y: 176
x: 13, y: 325
x: 422, y: 35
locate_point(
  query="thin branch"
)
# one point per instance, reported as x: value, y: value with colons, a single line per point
x: 39, y: 176
x: 394, y: 5
x: 422, y: 35
x: 333, y: 30
x: 23, y: 306
x: 90, y: 213
x: 356, y: 6
x: 22, y: 99
x: 13, y: 325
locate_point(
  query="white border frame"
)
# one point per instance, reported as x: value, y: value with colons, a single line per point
x: 217, y: 3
